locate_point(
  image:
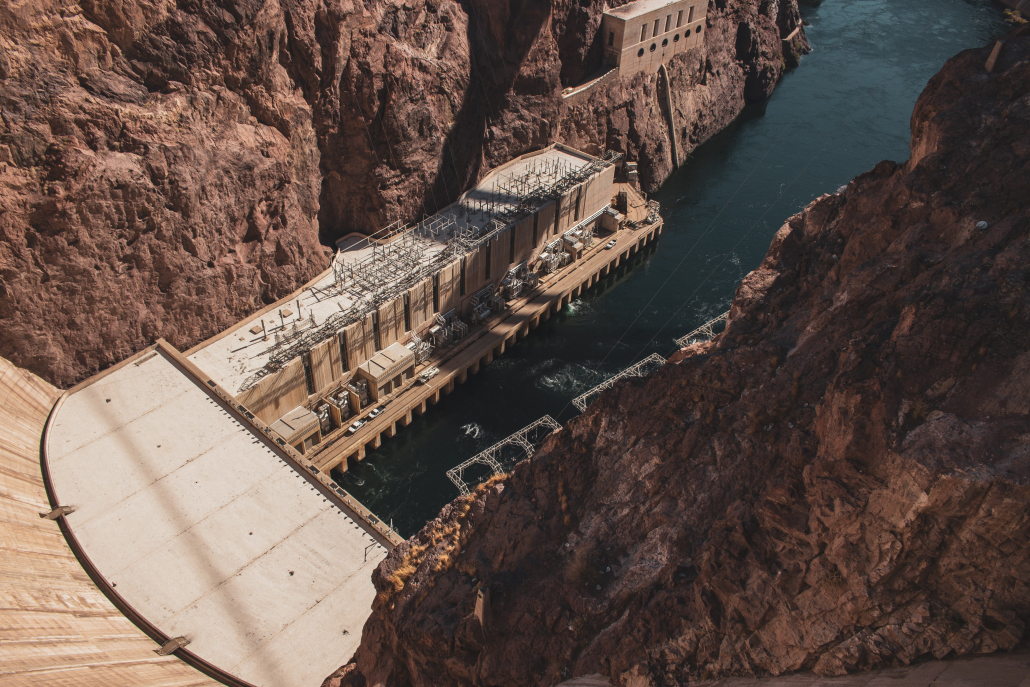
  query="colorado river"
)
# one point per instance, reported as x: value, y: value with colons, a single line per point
x: 844, y: 109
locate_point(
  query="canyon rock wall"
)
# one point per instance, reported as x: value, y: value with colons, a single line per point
x: 157, y: 180
x: 743, y: 58
x: 167, y: 168
x: 840, y: 480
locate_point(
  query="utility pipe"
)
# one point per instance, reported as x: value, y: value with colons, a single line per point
x: 664, y: 73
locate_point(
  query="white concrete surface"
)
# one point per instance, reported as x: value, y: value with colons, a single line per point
x: 206, y: 532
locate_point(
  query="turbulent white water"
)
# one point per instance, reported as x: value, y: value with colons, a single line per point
x: 472, y: 430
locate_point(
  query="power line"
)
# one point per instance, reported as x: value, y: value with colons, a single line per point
x: 687, y: 254
x: 483, y: 37
x: 368, y: 133
x: 389, y: 147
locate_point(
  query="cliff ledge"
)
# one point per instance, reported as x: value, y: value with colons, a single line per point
x: 838, y: 481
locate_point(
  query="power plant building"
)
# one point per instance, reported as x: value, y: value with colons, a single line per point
x: 415, y: 288
x: 642, y: 35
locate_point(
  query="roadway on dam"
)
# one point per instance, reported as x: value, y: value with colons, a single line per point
x: 205, y: 528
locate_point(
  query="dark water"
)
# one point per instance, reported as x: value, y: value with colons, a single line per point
x: 844, y: 109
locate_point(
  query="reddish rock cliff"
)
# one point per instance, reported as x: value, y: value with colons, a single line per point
x: 157, y: 179
x: 167, y: 168
x: 840, y: 480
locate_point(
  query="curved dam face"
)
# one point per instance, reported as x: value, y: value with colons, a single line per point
x: 58, y: 628
x: 201, y: 527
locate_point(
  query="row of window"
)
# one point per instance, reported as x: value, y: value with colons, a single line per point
x: 657, y: 26
x: 665, y: 42
x: 668, y: 24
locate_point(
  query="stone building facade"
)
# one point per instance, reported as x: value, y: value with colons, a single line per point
x: 642, y: 35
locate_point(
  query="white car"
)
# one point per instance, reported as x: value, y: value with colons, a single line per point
x: 375, y: 413
x: 610, y: 244
x: 355, y: 427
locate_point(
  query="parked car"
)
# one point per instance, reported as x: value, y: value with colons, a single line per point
x: 610, y: 244
x: 375, y: 413
x: 355, y: 427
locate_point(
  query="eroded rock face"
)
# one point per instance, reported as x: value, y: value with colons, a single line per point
x: 166, y: 168
x: 150, y: 189
x: 840, y: 480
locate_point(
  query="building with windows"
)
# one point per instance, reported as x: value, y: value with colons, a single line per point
x: 389, y: 295
x: 642, y: 35
x: 388, y: 370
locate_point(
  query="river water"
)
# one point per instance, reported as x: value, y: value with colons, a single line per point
x: 846, y: 107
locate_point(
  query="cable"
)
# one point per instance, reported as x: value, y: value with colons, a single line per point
x: 371, y: 143
x: 483, y: 36
x: 691, y: 249
x: 454, y: 166
x: 386, y: 137
x: 687, y: 254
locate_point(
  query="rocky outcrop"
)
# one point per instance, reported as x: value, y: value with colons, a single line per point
x: 151, y: 187
x: 840, y: 480
x: 167, y: 168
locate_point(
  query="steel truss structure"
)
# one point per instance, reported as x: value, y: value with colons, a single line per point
x: 527, y: 439
x: 653, y: 206
x: 705, y: 332
x: 641, y: 369
x: 401, y: 255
